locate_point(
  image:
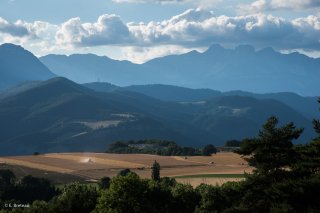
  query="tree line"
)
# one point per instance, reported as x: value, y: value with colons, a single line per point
x: 158, y: 147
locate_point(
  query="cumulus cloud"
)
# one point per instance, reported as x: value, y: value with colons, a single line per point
x: 108, y: 30
x: 193, y: 29
x: 14, y: 29
x: 254, y: 7
x: 201, y: 28
x: 181, y: 29
x: 29, y: 31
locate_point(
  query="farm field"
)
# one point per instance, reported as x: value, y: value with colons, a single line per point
x: 213, y: 181
x: 93, y: 166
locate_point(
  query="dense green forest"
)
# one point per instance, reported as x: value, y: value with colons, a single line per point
x: 286, y: 178
x: 158, y: 147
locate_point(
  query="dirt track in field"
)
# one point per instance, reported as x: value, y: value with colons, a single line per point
x: 97, y: 165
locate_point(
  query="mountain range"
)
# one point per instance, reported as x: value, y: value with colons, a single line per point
x: 58, y: 115
x: 307, y: 106
x: 242, y: 68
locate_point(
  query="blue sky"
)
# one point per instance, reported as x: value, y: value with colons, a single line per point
x: 59, y: 11
x: 139, y: 30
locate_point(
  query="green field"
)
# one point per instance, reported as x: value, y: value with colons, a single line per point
x: 212, y: 176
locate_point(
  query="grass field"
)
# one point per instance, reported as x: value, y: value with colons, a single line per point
x: 224, y: 166
x: 212, y: 179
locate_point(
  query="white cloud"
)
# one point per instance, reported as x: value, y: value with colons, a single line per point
x: 14, y: 29
x: 196, y: 28
x: 254, y: 7
x: 25, y: 33
x: 108, y: 30
x: 193, y: 29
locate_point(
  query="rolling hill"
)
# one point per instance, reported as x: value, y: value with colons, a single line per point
x: 239, y: 116
x: 59, y: 115
x: 307, y: 106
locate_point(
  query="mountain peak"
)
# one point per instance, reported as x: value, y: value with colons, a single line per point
x: 59, y: 79
x: 7, y: 45
x: 12, y: 48
x: 62, y: 82
x: 18, y: 65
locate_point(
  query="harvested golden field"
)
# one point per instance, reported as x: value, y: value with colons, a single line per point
x: 93, y: 166
x: 212, y: 181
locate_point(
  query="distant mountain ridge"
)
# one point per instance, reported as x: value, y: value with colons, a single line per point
x: 60, y: 115
x: 307, y: 106
x: 243, y: 68
x: 83, y: 68
x: 18, y: 65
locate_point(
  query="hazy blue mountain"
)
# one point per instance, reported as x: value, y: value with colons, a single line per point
x: 239, y: 116
x: 102, y: 86
x: 92, y: 68
x: 307, y: 106
x: 25, y: 85
x: 18, y: 65
x: 173, y: 93
x: 159, y: 91
x: 242, y: 68
x: 60, y: 115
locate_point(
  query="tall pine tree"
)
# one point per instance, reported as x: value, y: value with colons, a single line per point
x: 155, y: 175
x: 273, y: 149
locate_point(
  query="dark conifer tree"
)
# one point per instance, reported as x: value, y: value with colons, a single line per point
x: 155, y: 175
x: 273, y: 149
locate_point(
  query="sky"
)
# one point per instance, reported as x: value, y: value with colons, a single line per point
x: 139, y: 30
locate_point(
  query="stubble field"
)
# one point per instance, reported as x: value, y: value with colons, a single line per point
x: 93, y: 166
